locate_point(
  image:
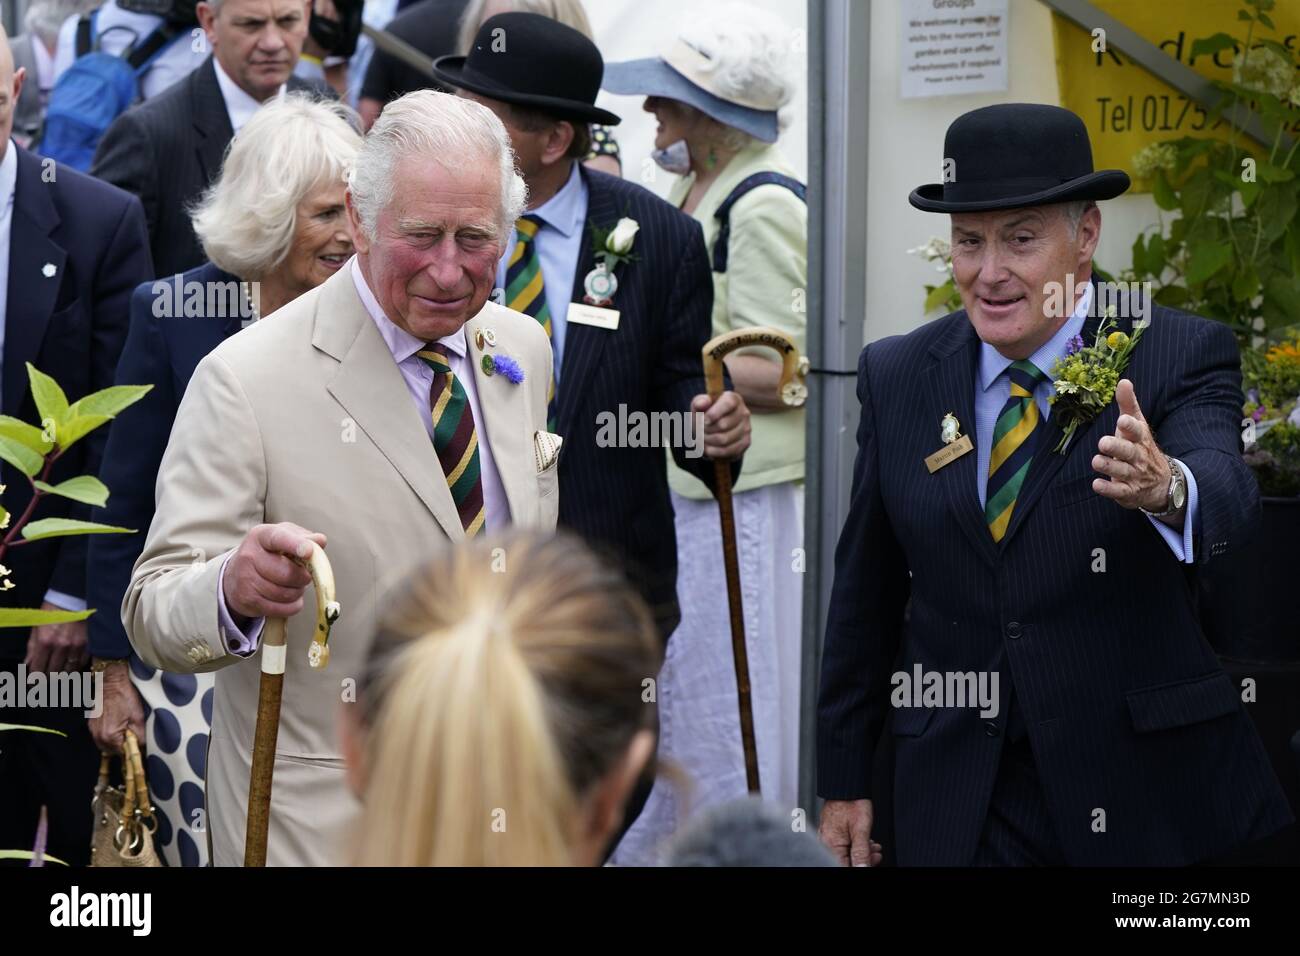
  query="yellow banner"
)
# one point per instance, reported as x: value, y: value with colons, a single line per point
x: 1125, y: 107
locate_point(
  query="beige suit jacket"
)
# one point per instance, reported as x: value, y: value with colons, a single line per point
x: 304, y: 417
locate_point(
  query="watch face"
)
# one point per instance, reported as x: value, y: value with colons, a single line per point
x: 1180, y: 494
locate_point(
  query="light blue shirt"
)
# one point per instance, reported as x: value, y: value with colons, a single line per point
x: 993, y: 386
x: 8, y: 181
x: 559, y: 241
x: 118, y: 28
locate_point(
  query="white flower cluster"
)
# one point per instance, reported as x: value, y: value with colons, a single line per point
x: 1265, y: 70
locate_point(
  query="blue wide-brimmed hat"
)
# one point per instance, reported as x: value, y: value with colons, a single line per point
x: 686, y: 74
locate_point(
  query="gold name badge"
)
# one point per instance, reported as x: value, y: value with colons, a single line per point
x: 948, y: 453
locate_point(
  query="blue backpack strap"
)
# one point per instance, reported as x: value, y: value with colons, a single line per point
x: 723, y: 215
x: 141, y: 57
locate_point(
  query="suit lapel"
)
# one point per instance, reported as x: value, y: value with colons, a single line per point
x: 503, y: 404
x: 952, y: 389
x: 371, y: 390
x: 33, y: 293
x: 583, y: 344
x: 211, y: 120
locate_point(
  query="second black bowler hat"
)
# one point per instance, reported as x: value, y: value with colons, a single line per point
x: 533, y: 61
x: 1017, y: 154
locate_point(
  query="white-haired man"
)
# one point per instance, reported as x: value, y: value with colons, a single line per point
x: 384, y: 413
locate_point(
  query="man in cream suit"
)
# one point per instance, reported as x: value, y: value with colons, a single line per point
x: 340, y: 420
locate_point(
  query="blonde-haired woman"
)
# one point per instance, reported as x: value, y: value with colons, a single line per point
x: 604, y: 154
x: 719, y: 92
x: 275, y: 220
x: 504, y: 716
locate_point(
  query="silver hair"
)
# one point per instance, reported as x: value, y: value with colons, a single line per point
x: 247, y: 218
x: 441, y: 128
x: 1073, y: 213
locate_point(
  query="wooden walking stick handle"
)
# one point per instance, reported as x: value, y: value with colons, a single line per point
x: 794, y: 393
x: 274, y: 659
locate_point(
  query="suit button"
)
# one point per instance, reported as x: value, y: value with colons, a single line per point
x: 1013, y: 630
x: 991, y: 728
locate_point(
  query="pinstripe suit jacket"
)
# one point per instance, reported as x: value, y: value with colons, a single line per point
x: 617, y: 498
x: 168, y: 150
x: 1134, y: 725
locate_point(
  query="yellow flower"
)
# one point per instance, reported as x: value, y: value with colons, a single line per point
x: 1117, y: 340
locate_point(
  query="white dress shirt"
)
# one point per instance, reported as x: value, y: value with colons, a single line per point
x: 240, y: 107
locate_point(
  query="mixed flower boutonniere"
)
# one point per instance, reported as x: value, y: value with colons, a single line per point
x: 612, y: 246
x: 1084, y: 380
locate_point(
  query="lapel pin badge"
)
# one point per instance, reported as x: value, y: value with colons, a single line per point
x: 485, y: 338
x: 955, y: 444
x: 48, y: 270
x: 600, y: 285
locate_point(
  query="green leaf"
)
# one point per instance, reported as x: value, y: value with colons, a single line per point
x: 1245, y: 284
x: 1172, y: 296
x: 938, y: 296
x: 39, y: 730
x: 74, y: 428
x: 60, y: 527
x: 87, y: 489
x: 29, y: 435
x: 51, y: 403
x: 27, y: 855
x: 1265, y: 19
x: 1163, y: 193
x: 1243, y: 15
x: 109, y: 401
x: 1278, y: 213
x: 1208, y: 46
x: 1206, y: 259
x: 1140, y: 256
x: 20, y: 456
x: 1157, y: 256
x: 34, y: 617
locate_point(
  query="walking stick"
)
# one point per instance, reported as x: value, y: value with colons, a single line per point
x: 793, y: 393
x: 274, y: 655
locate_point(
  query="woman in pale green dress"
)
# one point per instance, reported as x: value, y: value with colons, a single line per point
x: 718, y: 92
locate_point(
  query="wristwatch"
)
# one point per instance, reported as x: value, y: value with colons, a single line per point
x: 1177, y: 492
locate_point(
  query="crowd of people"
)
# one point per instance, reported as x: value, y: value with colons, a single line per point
x: 404, y: 363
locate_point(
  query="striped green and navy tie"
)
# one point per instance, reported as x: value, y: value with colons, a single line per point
x: 1013, y: 446
x: 455, y: 438
x: 526, y: 290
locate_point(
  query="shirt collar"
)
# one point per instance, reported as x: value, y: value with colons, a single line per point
x: 563, y: 211
x: 401, y: 343
x: 993, y: 363
x: 8, y: 175
x: 240, y: 106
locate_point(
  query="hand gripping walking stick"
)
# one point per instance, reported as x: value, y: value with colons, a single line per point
x: 274, y: 655
x: 794, y: 393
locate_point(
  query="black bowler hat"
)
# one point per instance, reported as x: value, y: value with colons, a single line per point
x: 532, y: 60
x: 1017, y: 154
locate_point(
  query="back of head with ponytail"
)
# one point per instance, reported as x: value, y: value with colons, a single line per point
x: 505, y: 681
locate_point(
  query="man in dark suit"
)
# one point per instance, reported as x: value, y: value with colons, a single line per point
x: 432, y: 27
x: 638, y: 351
x: 71, y: 251
x: 1054, y: 580
x: 169, y: 149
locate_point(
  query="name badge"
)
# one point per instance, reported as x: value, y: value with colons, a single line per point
x: 593, y: 315
x: 948, y: 453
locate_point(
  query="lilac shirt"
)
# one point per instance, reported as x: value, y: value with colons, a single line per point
x: 419, y: 381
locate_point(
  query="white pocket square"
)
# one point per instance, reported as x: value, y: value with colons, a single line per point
x: 546, y: 447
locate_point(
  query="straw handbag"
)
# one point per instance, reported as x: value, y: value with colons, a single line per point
x: 124, y: 818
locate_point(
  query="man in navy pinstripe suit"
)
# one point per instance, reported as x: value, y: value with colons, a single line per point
x: 1116, y: 738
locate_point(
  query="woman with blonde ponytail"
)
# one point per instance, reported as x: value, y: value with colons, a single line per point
x: 503, y: 718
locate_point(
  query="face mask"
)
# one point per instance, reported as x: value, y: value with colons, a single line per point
x: 675, y: 159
